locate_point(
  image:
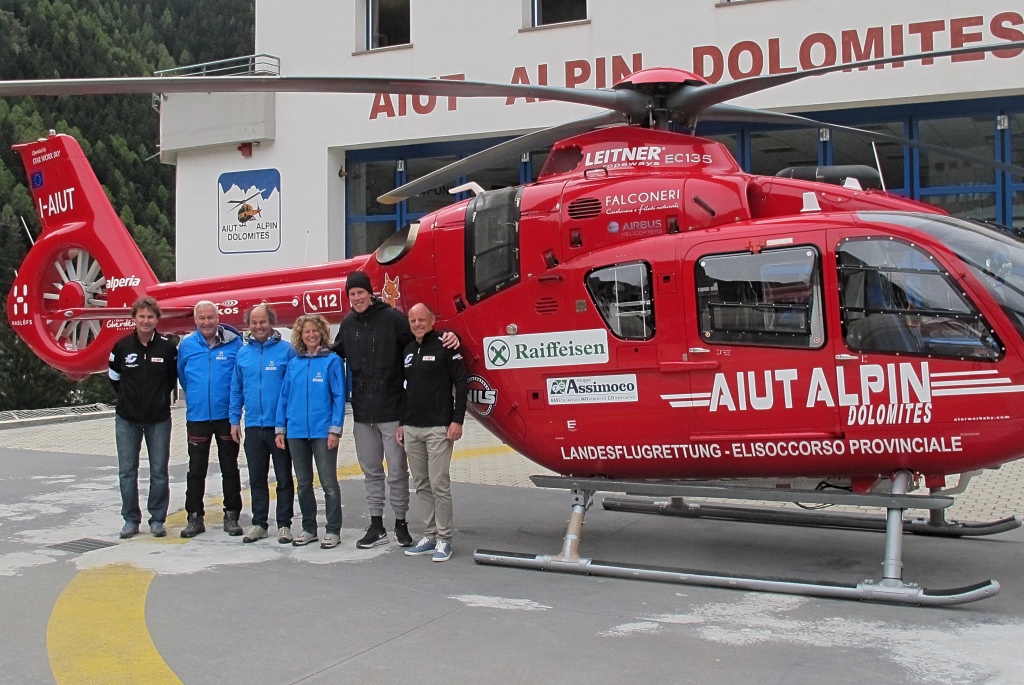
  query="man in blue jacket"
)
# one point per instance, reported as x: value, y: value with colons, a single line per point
x: 206, y: 363
x: 256, y: 388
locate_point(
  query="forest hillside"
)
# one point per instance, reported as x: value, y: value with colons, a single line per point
x: 119, y: 134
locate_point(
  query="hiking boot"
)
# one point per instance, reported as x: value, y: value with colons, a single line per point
x: 303, y: 538
x: 402, y: 533
x: 129, y: 530
x: 284, y: 535
x: 157, y: 529
x: 374, y: 536
x: 194, y: 527
x: 231, y: 526
x: 424, y: 546
x: 443, y: 551
x: 330, y: 541
x: 255, y: 533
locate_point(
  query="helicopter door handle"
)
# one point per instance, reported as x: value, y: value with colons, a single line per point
x: 847, y: 357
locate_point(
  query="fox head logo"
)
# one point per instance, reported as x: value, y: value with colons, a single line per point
x: 389, y: 293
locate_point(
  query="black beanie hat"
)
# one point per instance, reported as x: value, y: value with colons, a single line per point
x: 358, y: 279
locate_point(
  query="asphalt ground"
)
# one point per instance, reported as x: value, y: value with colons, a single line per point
x: 212, y: 610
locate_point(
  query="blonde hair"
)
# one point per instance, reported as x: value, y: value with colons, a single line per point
x: 321, y: 325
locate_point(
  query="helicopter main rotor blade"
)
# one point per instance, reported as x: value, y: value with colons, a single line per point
x: 626, y: 101
x: 690, y: 100
x: 734, y: 113
x: 499, y: 153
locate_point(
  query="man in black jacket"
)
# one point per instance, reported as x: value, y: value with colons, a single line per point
x: 143, y: 370
x: 432, y: 418
x: 371, y: 339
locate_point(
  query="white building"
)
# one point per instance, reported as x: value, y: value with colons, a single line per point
x: 304, y: 190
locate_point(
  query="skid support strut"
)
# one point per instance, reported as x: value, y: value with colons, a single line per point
x: 890, y: 589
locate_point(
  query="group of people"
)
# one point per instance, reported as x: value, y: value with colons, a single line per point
x: 408, y: 397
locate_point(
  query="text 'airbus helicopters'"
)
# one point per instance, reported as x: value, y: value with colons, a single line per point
x: 644, y: 318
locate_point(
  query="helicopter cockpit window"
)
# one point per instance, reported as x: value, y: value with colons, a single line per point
x: 622, y: 294
x: 896, y: 299
x: 994, y: 257
x: 770, y: 298
x: 492, y: 242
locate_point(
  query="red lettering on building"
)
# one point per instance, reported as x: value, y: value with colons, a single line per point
x: 999, y: 29
x: 577, y: 71
x: 756, y: 60
x: 959, y: 37
x: 827, y: 43
x: 872, y: 47
x: 774, y: 61
x: 382, y: 105
x: 701, y: 55
x: 927, y: 30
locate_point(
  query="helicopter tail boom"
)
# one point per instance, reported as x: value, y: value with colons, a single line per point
x: 84, y: 259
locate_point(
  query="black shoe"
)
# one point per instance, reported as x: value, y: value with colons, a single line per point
x: 231, y: 526
x: 374, y: 536
x: 195, y: 526
x: 402, y: 533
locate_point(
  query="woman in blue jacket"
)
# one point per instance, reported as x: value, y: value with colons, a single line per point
x: 310, y: 415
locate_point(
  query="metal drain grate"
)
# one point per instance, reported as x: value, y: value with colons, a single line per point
x: 82, y: 545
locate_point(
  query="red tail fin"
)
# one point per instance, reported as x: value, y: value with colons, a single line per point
x: 84, y: 259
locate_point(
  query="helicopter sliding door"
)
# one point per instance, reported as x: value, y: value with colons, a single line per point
x: 917, y: 350
x: 757, y: 318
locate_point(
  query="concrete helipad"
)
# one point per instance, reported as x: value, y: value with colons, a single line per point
x: 212, y: 610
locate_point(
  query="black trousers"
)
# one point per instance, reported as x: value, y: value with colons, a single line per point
x: 200, y: 435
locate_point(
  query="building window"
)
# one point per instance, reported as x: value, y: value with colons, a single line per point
x: 387, y: 23
x: 558, y: 11
x: 770, y: 298
x: 622, y: 294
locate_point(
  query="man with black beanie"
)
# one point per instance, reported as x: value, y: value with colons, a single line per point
x: 371, y: 339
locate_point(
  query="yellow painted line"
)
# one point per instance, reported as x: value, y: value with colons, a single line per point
x: 473, y: 452
x: 97, y: 631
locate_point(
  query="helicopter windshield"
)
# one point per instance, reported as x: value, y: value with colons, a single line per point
x: 995, y: 257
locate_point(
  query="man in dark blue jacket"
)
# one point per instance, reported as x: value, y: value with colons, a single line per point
x: 256, y: 388
x: 206, y: 363
x: 143, y: 371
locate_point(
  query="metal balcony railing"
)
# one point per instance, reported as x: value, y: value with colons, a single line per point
x: 249, y: 65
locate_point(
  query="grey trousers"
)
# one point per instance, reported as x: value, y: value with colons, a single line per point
x: 430, y: 459
x: 375, y: 444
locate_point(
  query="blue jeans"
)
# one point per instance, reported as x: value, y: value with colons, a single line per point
x: 128, y: 436
x: 259, y: 449
x: 304, y: 451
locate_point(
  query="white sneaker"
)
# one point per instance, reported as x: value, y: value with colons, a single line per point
x: 255, y: 533
x: 330, y: 541
x: 284, y: 536
x: 304, y: 538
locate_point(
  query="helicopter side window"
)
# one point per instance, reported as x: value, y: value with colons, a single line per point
x: 770, y: 298
x: 622, y: 294
x: 492, y: 242
x: 896, y: 299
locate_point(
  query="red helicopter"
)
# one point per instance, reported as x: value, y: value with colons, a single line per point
x: 782, y: 338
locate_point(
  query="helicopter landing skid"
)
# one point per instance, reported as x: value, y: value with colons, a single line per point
x: 935, y: 525
x: 890, y: 589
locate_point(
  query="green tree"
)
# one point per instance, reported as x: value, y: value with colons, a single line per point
x: 119, y: 134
